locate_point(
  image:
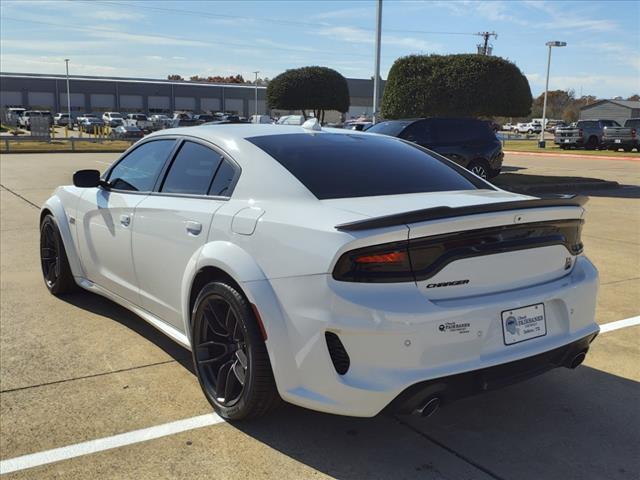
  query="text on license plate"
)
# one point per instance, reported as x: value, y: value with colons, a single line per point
x: 524, y: 323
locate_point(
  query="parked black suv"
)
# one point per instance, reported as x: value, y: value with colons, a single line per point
x: 467, y: 141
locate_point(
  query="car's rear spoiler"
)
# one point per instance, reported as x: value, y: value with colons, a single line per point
x: 437, y: 213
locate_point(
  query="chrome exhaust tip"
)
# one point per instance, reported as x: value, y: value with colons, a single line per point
x: 429, y: 408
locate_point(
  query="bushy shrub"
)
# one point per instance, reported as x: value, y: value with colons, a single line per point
x: 455, y: 86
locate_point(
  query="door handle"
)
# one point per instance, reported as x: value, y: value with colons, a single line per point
x: 194, y: 228
x: 125, y: 220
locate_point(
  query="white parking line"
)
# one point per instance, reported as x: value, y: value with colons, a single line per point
x: 627, y: 322
x: 142, y: 435
x: 102, y: 444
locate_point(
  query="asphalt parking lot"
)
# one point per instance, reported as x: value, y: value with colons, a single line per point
x: 81, y: 368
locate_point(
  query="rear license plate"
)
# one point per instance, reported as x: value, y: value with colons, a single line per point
x: 524, y: 323
x: 566, y: 140
x: 617, y: 140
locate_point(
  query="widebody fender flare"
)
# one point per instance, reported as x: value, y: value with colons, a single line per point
x: 245, y: 271
x: 55, y: 206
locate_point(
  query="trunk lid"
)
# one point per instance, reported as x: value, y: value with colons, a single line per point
x: 470, y: 242
x: 494, y: 252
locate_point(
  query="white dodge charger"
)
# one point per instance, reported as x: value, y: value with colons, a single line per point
x: 341, y: 271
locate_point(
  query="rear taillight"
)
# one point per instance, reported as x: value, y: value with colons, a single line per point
x: 421, y: 258
x: 382, y: 264
x: 633, y: 133
x: 580, y: 132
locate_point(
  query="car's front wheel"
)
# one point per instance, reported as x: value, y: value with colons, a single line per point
x: 229, y: 354
x: 53, y: 259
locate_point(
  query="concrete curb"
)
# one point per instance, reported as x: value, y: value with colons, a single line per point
x: 572, y: 155
x: 563, y: 187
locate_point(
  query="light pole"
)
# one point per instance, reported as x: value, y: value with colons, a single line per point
x: 541, y: 142
x: 66, y: 61
x: 256, y: 94
x: 376, y: 74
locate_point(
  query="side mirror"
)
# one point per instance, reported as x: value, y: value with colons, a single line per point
x: 86, y: 178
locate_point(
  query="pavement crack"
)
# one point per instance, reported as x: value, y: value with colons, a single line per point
x: 620, y: 281
x: 449, y: 449
x: 20, y: 196
x: 45, y: 384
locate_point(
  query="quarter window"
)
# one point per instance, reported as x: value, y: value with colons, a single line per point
x: 221, y: 186
x: 192, y: 170
x: 139, y: 170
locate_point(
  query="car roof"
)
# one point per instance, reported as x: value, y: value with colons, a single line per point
x: 262, y: 176
x: 223, y: 133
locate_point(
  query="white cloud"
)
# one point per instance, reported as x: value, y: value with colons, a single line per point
x: 113, y: 15
x: 145, y: 39
x: 356, y: 12
x: 358, y: 35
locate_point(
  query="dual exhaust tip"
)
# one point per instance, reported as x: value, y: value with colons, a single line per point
x: 577, y: 360
x: 432, y: 404
x: 428, y: 408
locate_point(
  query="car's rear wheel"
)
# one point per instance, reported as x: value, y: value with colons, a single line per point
x: 592, y: 143
x: 480, y: 168
x: 53, y: 259
x: 230, y: 355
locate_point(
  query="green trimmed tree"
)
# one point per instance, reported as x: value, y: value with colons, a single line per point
x: 455, y: 86
x: 309, y: 88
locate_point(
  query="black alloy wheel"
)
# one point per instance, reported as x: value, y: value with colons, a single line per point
x: 221, y: 353
x: 53, y: 259
x: 479, y: 168
x: 230, y: 355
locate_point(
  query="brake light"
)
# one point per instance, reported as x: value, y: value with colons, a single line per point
x: 580, y: 132
x: 391, y: 257
x: 633, y: 133
x: 386, y: 263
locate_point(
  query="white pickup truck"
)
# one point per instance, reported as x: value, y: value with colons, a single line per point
x: 139, y: 120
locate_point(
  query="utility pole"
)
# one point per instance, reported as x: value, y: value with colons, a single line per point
x: 66, y: 61
x: 376, y: 77
x: 256, y: 93
x: 484, y: 48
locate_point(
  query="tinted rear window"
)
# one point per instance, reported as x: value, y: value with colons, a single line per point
x: 633, y: 123
x: 392, y: 129
x: 335, y: 165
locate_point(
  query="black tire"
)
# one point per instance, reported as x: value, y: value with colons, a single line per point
x: 494, y: 172
x: 53, y: 259
x: 480, y: 168
x: 231, y: 350
x: 592, y: 143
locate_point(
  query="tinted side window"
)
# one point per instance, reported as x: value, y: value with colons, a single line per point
x: 587, y: 124
x: 223, y: 180
x: 454, y: 130
x: 418, y: 132
x: 389, y: 128
x: 192, y: 170
x: 139, y: 170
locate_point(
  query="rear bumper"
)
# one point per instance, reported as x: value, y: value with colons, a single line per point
x: 624, y: 142
x: 455, y: 387
x: 392, y: 337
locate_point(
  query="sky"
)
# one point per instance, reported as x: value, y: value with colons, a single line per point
x: 153, y: 39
